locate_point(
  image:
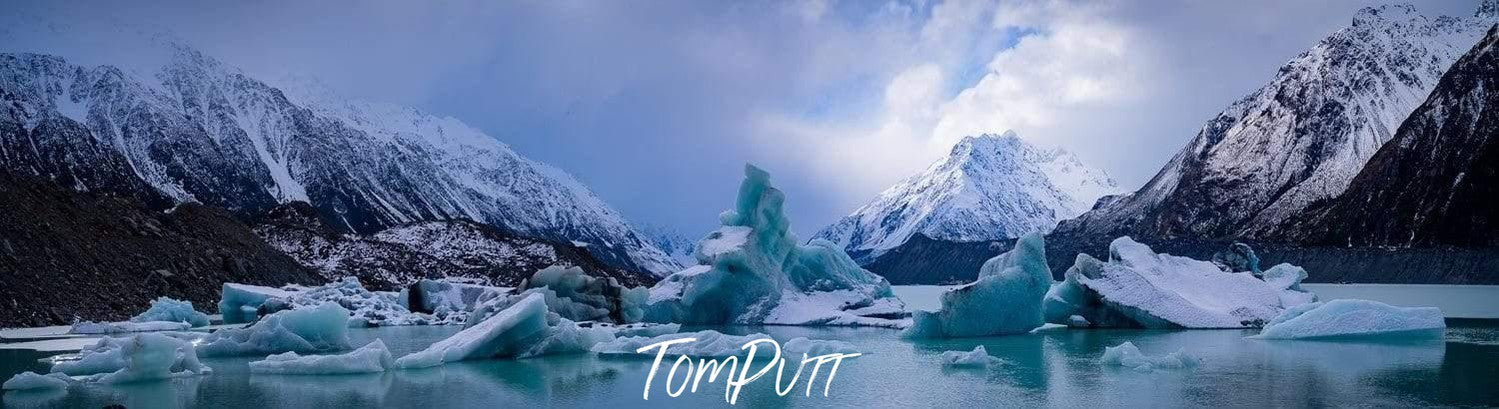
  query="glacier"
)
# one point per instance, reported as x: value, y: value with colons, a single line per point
x: 96, y: 328
x: 371, y: 358
x: 1006, y: 299
x: 33, y: 381
x: 1129, y: 356
x: 752, y: 271
x: 321, y: 329
x: 524, y: 329
x: 1355, y: 318
x: 168, y: 309
x: 978, y: 357
x: 1137, y: 287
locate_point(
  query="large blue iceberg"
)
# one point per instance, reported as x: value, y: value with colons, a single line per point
x: 753, y: 271
x: 1006, y: 298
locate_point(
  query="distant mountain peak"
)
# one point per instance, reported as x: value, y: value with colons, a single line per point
x: 990, y: 186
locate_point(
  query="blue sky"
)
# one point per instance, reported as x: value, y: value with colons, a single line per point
x: 657, y: 105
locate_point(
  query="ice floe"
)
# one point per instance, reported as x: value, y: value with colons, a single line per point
x: 97, y: 328
x: 320, y: 329
x: 1355, y: 318
x: 1006, y: 298
x: 571, y: 294
x: 34, y: 381
x: 524, y: 329
x: 1129, y: 356
x: 753, y: 271
x: 977, y: 358
x: 371, y: 358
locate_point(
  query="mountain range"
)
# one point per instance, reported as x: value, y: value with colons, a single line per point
x: 191, y: 129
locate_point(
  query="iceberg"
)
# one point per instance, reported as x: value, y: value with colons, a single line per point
x: 1006, y: 298
x: 1129, y: 356
x: 449, y: 300
x: 94, y: 328
x: 168, y: 309
x: 371, y: 358
x: 752, y: 271
x: 978, y: 357
x: 242, y: 303
x: 571, y: 294
x: 1355, y: 318
x: 1137, y: 287
x: 320, y: 329
x: 34, y: 381
x: 138, y: 357
x: 817, y: 347
x: 708, y: 344
x: 524, y: 329
x: 155, y: 356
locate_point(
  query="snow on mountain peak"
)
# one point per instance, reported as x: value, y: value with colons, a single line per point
x: 989, y: 187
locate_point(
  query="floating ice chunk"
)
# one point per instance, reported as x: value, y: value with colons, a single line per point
x: 1129, y: 356
x: 90, y: 327
x: 817, y: 347
x: 573, y: 295
x: 1287, y: 278
x: 707, y: 344
x: 1355, y: 318
x: 1138, y: 287
x: 34, y: 381
x: 373, y: 357
x: 448, y: 301
x: 321, y: 329
x: 366, y: 308
x: 155, y: 356
x: 641, y: 329
x: 525, y: 329
x: 978, y: 357
x: 1006, y: 299
x: 752, y: 265
x: 168, y: 309
x: 242, y: 303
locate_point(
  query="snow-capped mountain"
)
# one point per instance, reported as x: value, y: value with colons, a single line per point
x: 989, y: 187
x: 194, y: 129
x: 673, y: 242
x: 1436, y: 182
x: 1299, y: 139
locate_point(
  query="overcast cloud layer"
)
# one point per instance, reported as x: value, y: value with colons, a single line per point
x: 656, y: 105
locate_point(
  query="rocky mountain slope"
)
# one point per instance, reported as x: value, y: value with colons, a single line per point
x: 1299, y: 139
x: 1436, y: 183
x: 66, y: 254
x: 192, y: 129
x: 990, y: 187
x: 401, y: 254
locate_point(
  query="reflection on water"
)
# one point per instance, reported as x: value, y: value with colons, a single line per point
x: 1053, y: 368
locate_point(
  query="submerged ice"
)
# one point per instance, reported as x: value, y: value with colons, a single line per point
x: 1137, y: 287
x: 977, y: 358
x: 753, y: 271
x: 1355, y: 318
x: 1129, y: 356
x: 1006, y: 298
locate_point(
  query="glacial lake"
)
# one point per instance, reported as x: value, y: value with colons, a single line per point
x: 1052, y: 367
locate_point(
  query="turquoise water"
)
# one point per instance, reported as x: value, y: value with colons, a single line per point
x: 1051, y: 368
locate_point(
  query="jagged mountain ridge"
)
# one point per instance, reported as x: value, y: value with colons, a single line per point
x: 990, y: 187
x: 1299, y: 139
x: 401, y: 254
x: 200, y: 131
x: 1436, y: 182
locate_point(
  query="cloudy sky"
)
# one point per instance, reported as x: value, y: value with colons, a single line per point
x: 658, y: 104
